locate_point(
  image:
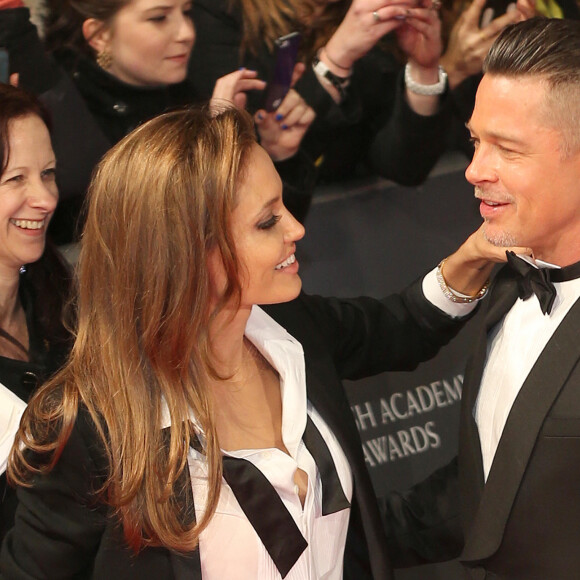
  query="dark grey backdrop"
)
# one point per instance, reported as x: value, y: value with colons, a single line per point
x: 372, y: 238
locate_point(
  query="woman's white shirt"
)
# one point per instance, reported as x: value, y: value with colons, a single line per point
x: 230, y: 547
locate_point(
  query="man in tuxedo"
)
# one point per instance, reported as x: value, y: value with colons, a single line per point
x: 519, y: 450
x: 519, y: 446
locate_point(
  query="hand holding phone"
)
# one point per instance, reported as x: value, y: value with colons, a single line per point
x: 280, y: 81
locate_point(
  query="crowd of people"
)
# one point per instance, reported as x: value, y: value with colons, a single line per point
x: 178, y: 409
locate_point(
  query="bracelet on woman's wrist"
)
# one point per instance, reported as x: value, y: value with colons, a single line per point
x: 427, y: 90
x: 452, y: 294
x: 322, y: 71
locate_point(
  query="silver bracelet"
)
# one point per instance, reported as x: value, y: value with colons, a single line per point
x: 453, y: 296
x: 428, y: 90
x: 323, y: 72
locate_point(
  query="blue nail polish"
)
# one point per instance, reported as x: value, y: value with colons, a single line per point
x: 279, y: 116
x: 284, y: 126
x: 260, y: 116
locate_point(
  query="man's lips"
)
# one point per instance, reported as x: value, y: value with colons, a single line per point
x: 490, y: 207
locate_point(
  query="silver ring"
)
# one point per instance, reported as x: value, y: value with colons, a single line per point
x: 436, y: 4
x: 376, y: 16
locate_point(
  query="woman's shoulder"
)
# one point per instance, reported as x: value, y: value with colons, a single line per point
x: 76, y: 440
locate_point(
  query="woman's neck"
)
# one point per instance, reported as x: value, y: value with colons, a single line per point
x: 226, y: 335
x: 247, y: 398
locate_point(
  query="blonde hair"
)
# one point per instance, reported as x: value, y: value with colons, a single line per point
x: 159, y: 201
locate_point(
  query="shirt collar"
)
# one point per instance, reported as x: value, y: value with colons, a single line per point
x: 286, y: 356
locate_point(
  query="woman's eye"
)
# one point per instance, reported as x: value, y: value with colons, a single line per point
x: 270, y: 222
x: 157, y: 18
x: 49, y: 174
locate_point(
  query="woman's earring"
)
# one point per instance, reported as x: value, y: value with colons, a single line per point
x: 104, y: 59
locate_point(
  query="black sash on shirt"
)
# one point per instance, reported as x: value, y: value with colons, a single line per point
x: 265, y: 510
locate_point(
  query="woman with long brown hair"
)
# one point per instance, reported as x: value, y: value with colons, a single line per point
x: 194, y: 433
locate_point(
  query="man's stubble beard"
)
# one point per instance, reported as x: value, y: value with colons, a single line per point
x: 501, y: 239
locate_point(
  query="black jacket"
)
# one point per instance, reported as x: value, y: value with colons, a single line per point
x: 61, y: 531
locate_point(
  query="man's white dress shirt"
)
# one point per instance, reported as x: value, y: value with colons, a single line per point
x: 513, y: 347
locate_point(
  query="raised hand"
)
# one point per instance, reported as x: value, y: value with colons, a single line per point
x: 469, y: 43
x: 232, y: 88
x: 363, y: 25
x: 420, y: 35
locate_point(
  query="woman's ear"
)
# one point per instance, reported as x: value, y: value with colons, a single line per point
x: 96, y: 34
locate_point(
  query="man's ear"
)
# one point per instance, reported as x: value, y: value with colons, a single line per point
x: 96, y: 34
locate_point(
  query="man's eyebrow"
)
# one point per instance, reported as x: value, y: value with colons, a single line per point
x: 498, y: 136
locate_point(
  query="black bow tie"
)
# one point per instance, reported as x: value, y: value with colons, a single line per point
x: 540, y: 281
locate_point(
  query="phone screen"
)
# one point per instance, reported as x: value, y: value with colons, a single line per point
x: 281, y: 77
x: 4, y: 66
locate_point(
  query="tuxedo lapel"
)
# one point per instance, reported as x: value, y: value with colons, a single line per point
x: 366, y: 539
x: 536, y: 397
x: 502, y: 297
x: 321, y: 387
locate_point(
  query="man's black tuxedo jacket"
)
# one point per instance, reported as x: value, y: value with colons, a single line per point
x: 59, y: 534
x: 524, y: 523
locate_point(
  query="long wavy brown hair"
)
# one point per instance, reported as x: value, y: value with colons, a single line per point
x: 159, y: 201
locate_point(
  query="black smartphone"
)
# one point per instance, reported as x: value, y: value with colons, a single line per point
x: 493, y: 9
x: 286, y: 52
x: 4, y: 66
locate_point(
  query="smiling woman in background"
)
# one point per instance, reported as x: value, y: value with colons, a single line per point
x: 33, y: 280
x: 107, y: 66
x: 194, y: 434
